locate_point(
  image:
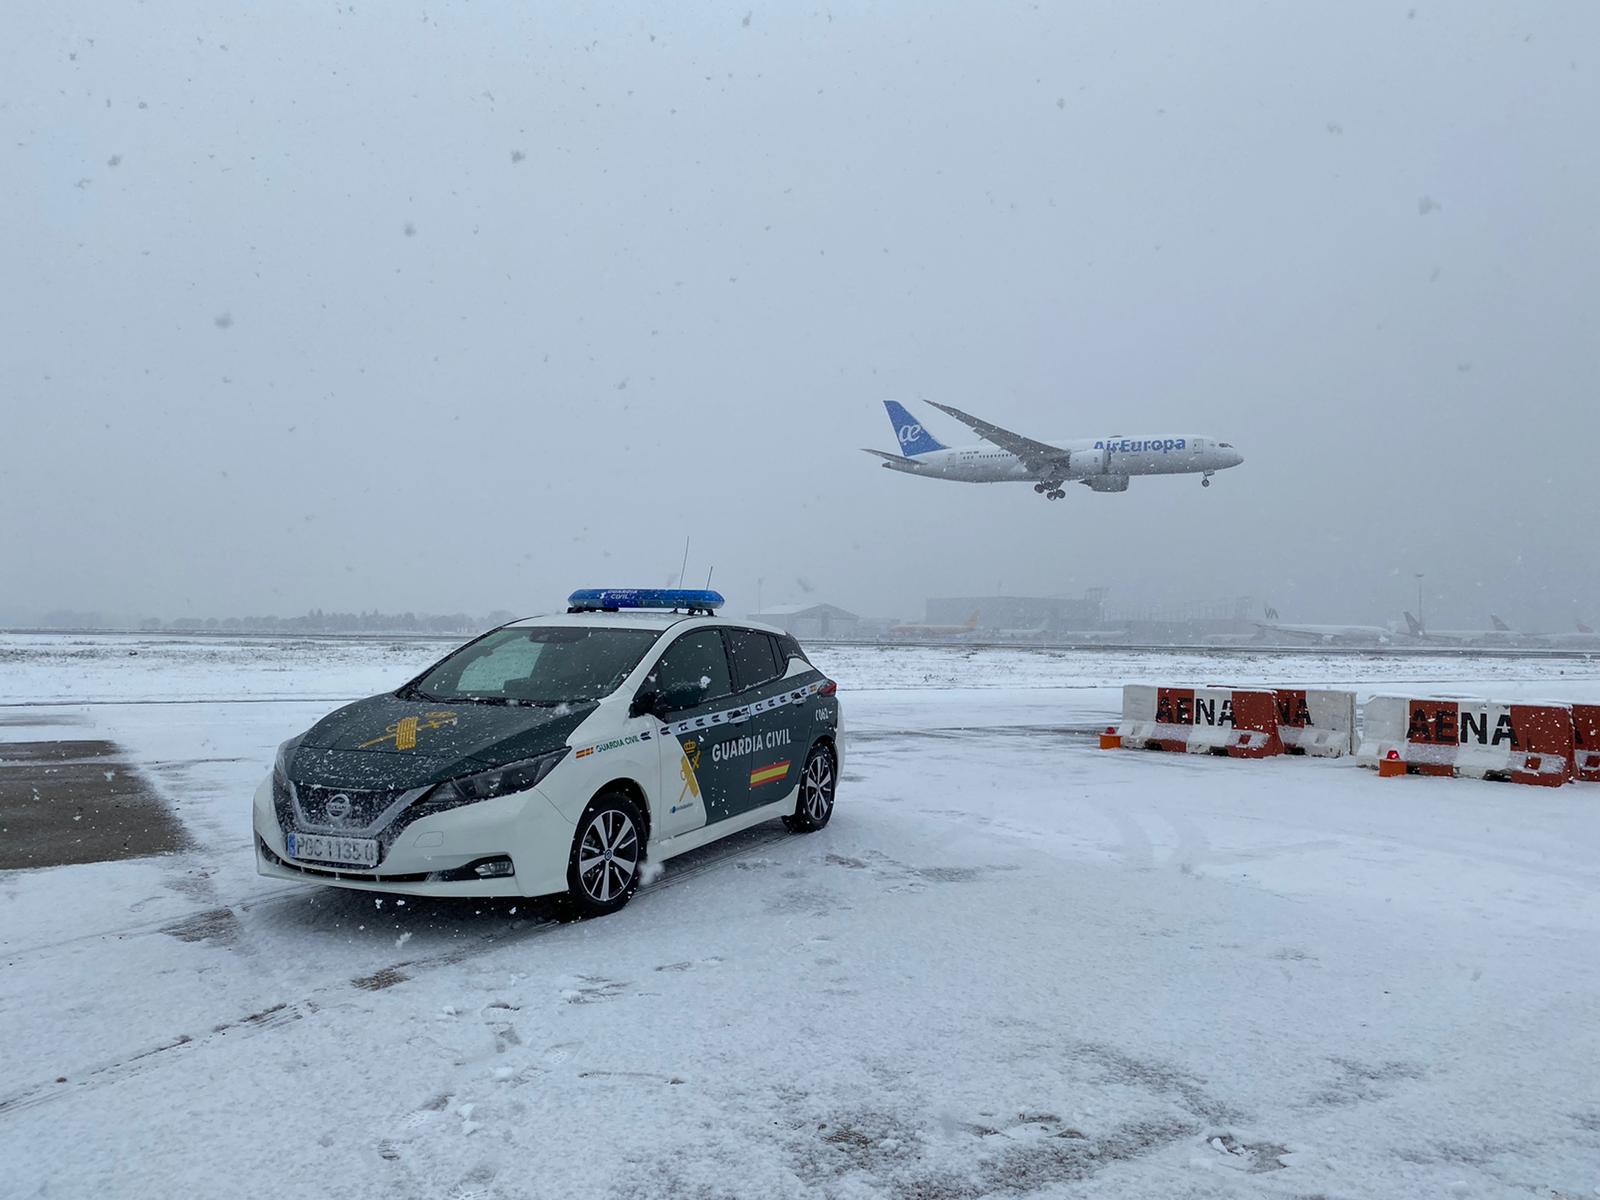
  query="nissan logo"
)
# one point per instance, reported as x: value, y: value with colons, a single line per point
x: 339, y: 807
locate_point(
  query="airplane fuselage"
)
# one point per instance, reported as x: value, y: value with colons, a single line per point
x: 1088, y: 459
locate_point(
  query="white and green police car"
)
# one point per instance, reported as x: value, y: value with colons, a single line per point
x: 557, y: 755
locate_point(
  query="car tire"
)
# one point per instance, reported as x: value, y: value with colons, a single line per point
x: 608, y: 855
x: 819, y: 779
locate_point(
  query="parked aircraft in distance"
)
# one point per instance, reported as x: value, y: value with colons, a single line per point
x: 1582, y: 638
x: 1100, y: 464
x: 1327, y: 635
x: 926, y: 630
x: 1499, y: 634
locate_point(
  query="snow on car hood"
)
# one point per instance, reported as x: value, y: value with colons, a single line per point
x: 387, y: 742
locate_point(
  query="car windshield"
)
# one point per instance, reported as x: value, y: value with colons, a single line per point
x: 537, y: 665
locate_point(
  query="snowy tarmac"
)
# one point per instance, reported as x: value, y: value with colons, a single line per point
x: 1012, y: 965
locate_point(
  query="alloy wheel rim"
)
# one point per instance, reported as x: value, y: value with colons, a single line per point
x: 816, y: 787
x: 608, y: 855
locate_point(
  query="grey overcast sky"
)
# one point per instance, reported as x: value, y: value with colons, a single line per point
x: 458, y: 306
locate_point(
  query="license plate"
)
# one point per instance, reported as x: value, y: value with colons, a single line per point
x: 316, y: 847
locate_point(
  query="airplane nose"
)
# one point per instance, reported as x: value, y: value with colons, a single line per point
x: 1235, y: 458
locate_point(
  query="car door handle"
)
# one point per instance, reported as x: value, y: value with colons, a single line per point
x: 738, y: 716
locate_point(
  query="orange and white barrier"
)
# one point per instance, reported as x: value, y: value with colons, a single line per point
x: 1238, y: 722
x: 1586, y: 742
x: 1321, y: 723
x: 1526, y: 743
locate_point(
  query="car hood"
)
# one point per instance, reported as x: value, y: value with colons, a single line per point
x: 387, y: 742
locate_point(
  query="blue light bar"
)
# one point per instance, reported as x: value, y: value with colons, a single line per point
x: 610, y: 599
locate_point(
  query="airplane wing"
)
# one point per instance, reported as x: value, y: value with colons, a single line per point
x: 893, y: 458
x: 1040, y: 458
x: 1288, y: 630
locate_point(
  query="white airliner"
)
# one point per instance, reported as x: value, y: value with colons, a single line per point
x: 1503, y: 635
x: 1500, y: 634
x: 1100, y: 464
x: 1327, y: 635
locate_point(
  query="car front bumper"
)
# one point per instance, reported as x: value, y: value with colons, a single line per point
x: 526, y: 827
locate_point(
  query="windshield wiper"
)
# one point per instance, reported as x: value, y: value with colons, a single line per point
x: 411, y: 693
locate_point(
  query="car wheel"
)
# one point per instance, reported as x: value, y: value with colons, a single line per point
x: 607, y: 855
x: 814, y: 803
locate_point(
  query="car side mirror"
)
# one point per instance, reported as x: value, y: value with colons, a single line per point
x: 644, y: 704
x: 676, y: 698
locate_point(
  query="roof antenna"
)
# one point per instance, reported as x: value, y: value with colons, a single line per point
x: 685, y: 565
x: 708, y: 577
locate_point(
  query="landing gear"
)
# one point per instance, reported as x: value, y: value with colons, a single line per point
x: 1054, y: 494
x: 1039, y: 487
x: 1205, y: 480
x: 1050, y: 489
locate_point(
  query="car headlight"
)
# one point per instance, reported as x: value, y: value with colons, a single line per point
x: 497, y: 781
x: 280, y: 766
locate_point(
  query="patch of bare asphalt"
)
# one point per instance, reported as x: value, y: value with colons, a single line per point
x: 1360, y: 1082
x: 1014, y: 1162
x: 28, y: 720
x: 888, y: 868
x: 217, y: 924
x: 1158, y: 1078
x: 18, y: 753
x: 78, y: 802
x: 1258, y: 1157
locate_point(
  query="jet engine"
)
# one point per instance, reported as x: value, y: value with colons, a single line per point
x: 1107, y: 483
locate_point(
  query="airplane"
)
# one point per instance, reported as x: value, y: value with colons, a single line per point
x: 1500, y: 634
x: 1100, y: 464
x: 1328, y: 635
x: 1583, y: 638
x: 919, y: 630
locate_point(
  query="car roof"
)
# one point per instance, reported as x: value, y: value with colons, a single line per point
x: 639, y: 618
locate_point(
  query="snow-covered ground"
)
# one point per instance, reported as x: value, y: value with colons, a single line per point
x: 1013, y: 965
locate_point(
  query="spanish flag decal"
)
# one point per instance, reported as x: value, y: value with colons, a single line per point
x: 769, y: 774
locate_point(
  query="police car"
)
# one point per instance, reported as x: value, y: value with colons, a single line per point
x: 557, y: 755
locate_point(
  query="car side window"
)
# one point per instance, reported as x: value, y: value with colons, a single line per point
x: 754, y: 662
x: 696, y: 660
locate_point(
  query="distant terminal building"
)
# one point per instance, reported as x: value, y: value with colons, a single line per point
x: 1043, y: 614
x: 1186, y: 623
x: 819, y: 621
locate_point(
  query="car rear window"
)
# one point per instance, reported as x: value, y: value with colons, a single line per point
x: 789, y: 648
x: 755, y: 658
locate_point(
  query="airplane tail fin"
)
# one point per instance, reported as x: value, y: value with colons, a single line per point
x: 1499, y: 625
x: 908, y: 431
x: 1413, y: 625
x: 1582, y: 628
x: 972, y: 621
